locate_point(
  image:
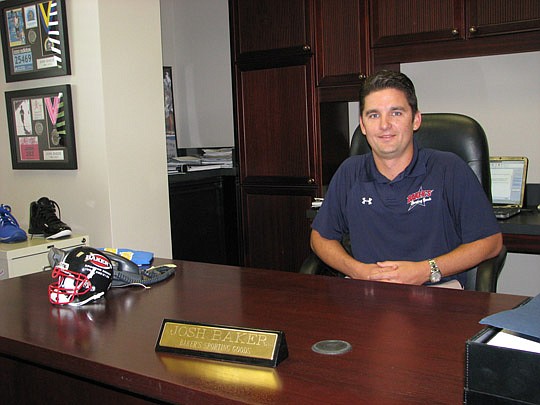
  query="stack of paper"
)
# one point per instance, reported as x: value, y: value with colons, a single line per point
x: 520, y: 327
x: 220, y: 156
x: 177, y: 164
x: 185, y: 164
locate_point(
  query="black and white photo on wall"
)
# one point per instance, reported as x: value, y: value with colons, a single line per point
x: 41, y: 129
x: 34, y: 39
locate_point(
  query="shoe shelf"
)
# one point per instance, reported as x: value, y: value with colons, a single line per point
x: 30, y: 256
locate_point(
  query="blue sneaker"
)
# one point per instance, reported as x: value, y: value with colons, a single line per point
x: 10, y: 231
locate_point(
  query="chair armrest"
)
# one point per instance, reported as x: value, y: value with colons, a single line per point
x: 314, y: 265
x: 311, y: 265
x: 487, y: 273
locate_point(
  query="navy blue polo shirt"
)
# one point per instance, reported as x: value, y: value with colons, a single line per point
x: 432, y: 207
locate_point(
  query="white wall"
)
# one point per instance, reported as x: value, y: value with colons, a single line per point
x: 119, y: 194
x: 503, y: 94
x: 196, y: 45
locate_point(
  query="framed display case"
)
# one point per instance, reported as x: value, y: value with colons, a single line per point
x: 34, y: 39
x: 41, y: 130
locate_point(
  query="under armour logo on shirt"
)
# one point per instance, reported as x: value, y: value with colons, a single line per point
x: 367, y: 201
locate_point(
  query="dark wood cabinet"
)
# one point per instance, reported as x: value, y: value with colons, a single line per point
x: 418, y: 30
x: 341, y: 42
x: 203, y: 212
x: 267, y: 25
x: 297, y: 64
x: 278, y: 177
x: 496, y: 17
x: 276, y: 126
x: 399, y: 22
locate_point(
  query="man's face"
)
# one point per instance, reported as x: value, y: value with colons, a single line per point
x: 388, y: 123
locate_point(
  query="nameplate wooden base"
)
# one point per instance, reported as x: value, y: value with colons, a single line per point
x: 240, y: 345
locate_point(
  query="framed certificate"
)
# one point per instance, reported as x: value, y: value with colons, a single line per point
x: 41, y: 130
x: 34, y: 39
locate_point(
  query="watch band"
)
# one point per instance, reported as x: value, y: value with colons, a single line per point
x: 435, y: 275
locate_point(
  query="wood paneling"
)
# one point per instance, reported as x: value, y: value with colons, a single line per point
x: 277, y: 235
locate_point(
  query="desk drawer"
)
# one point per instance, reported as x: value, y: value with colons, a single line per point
x: 28, y: 257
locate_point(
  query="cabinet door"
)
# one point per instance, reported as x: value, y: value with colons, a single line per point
x: 201, y: 221
x: 492, y: 17
x: 275, y: 125
x: 276, y: 228
x: 262, y: 25
x: 341, y: 41
x: 398, y: 22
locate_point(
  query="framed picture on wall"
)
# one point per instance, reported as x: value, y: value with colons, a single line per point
x: 34, y: 39
x: 168, y: 103
x: 41, y: 130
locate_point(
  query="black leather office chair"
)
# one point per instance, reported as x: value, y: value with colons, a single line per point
x: 463, y: 136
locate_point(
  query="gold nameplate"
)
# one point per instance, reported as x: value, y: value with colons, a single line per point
x: 240, y: 345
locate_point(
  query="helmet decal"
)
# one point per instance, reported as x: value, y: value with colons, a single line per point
x: 99, y: 260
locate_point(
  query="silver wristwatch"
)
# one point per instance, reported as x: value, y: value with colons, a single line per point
x: 435, y: 275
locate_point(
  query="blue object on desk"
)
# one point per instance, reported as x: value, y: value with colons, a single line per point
x: 524, y: 319
x: 139, y: 257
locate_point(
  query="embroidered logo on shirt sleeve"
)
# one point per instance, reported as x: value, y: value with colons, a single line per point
x: 421, y: 197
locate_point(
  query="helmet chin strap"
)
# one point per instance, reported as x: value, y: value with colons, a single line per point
x: 92, y: 298
x: 55, y: 256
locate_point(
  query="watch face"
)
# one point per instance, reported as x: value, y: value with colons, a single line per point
x: 435, y: 277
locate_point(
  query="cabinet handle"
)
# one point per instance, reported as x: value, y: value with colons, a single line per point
x: 306, y: 48
x: 455, y: 32
x: 473, y: 30
x: 311, y: 181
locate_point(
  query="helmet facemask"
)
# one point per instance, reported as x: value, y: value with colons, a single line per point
x: 83, y: 276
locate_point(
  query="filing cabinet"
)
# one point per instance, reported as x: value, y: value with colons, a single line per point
x: 18, y: 259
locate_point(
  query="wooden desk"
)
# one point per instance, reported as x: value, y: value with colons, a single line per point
x: 521, y: 233
x: 408, y: 342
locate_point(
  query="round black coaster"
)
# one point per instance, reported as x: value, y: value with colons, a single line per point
x: 331, y: 347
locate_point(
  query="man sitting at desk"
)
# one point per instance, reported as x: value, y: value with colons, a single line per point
x: 414, y: 215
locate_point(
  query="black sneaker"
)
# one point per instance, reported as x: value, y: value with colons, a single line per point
x: 44, y: 221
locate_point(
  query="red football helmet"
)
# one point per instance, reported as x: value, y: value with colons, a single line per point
x: 84, y: 275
